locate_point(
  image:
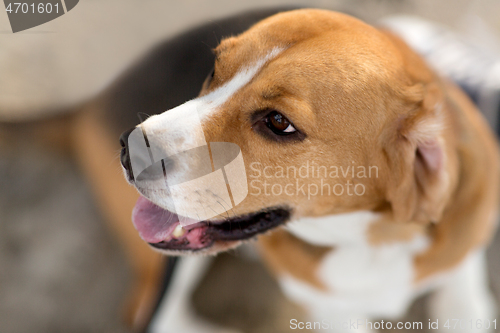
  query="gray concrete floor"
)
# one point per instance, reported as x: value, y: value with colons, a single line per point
x: 60, y: 268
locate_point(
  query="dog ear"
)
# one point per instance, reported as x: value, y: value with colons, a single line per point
x: 418, y: 188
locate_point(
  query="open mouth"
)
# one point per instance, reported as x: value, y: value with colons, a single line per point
x: 161, y: 228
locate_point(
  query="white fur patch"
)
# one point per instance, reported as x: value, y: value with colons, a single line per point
x: 179, y: 130
x: 175, y: 313
x: 218, y: 97
x: 206, y: 105
x: 362, y: 279
x: 334, y: 230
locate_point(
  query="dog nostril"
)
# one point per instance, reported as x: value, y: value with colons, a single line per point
x: 124, y: 158
x: 124, y: 154
x: 124, y: 137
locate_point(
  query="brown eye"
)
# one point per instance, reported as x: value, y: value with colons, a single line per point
x: 279, y: 124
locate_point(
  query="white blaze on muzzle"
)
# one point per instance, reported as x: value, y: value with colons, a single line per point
x: 175, y: 167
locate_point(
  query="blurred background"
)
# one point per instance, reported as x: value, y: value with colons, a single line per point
x: 61, y: 270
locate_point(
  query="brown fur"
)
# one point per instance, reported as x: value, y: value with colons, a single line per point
x: 375, y: 102
x: 385, y: 231
x: 52, y: 132
x: 98, y: 154
x: 286, y: 254
x: 470, y: 217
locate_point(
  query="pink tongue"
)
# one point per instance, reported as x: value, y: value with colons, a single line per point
x: 154, y: 223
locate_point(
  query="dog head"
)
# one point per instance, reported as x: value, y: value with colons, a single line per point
x: 308, y: 113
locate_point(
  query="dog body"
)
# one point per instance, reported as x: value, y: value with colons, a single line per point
x: 313, y: 86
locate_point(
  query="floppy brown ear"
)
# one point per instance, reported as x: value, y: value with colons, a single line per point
x: 419, y: 185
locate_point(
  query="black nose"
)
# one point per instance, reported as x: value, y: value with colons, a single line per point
x: 125, y: 154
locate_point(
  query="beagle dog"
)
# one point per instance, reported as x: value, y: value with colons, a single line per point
x: 367, y: 178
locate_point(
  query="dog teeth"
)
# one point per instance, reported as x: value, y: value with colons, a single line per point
x: 179, y: 231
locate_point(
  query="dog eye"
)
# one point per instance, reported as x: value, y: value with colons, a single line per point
x: 274, y: 126
x: 279, y: 124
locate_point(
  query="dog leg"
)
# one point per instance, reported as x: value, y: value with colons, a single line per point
x: 175, y: 314
x: 465, y: 296
x: 97, y: 152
